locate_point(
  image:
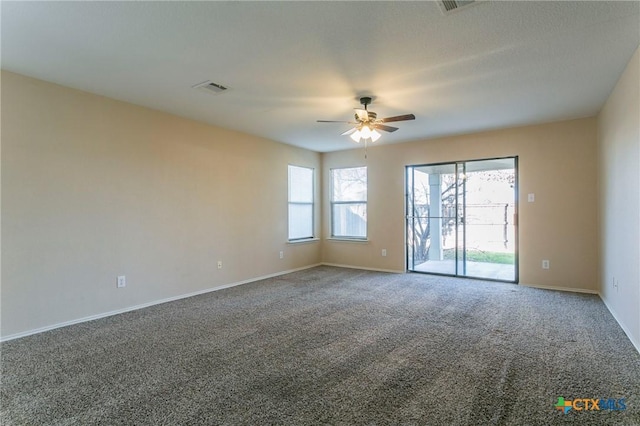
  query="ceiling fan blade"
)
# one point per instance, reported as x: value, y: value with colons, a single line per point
x: 385, y: 128
x: 399, y: 118
x: 362, y: 114
x: 348, y: 132
x: 331, y: 121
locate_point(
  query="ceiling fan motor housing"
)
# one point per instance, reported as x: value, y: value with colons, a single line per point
x: 371, y: 116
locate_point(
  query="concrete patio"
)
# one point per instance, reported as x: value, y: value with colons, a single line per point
x: 494, y: 271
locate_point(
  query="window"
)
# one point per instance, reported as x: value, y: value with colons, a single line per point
x: 300, y: 203
x: 349, y: 203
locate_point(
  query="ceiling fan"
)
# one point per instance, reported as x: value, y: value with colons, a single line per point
x: 367, y: 123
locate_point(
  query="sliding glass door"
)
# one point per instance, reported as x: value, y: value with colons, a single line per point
x: 462, y: 219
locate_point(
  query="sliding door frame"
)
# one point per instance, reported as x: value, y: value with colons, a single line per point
x: 408, y: 214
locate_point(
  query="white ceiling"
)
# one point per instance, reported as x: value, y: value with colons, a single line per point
x: 288, y: 64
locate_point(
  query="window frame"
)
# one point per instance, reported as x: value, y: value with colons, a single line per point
x: 312, y: 203
x: 333, y: 203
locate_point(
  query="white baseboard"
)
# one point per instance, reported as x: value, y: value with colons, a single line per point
x: 338, y: 265
x: 569, y: 289
x: 208, y: 290
x: 634, y: 342
x: 146, y: 305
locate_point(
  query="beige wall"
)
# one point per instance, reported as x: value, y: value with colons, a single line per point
x: 557, y: 162
x: 94, y: 188
x: 619, y: 172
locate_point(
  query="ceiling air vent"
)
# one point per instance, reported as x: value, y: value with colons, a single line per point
x: 210, y: 87
x: 449, y: 6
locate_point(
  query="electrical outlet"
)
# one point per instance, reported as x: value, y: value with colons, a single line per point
x: 281, y: 255
x: 545, y: 264
x: 219, y: 264
x: 122, y: 281
x: 531, y: 197
x: 384, y: 252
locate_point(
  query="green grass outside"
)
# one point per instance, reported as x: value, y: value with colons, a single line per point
x: 483, y: 256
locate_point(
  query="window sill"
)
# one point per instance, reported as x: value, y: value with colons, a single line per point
x: 349, y: 240
x: 303, y: 241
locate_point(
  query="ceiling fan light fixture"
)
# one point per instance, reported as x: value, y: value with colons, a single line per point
x: 365, y: 132
x: 375, y: 135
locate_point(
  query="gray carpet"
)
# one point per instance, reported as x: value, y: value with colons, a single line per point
x: 331, y: 346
